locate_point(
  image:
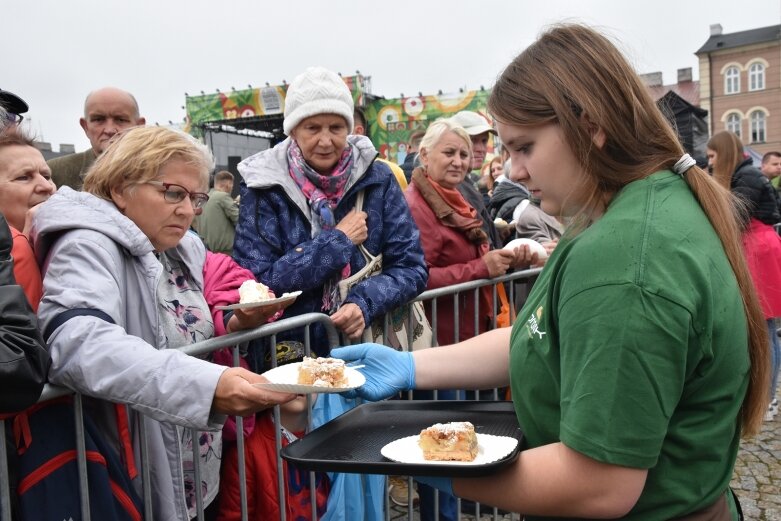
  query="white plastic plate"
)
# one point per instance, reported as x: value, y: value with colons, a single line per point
x: 490, y: 448
x: 284, y: 379
x: 286, y: 297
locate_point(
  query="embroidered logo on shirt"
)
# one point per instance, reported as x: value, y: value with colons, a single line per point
x: 533, y: 324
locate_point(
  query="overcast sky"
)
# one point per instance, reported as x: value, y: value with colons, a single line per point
x: 55, y: 51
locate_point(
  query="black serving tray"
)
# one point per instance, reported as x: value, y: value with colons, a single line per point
x: 352, y: 441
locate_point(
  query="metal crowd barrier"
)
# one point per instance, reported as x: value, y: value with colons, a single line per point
x: 468, y: 289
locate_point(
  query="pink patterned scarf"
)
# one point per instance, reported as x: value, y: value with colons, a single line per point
x: 323, y: 193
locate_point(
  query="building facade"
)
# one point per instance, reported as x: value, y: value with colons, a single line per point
x: 740, y: 84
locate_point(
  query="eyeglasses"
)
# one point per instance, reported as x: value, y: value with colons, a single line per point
x: 12, y: 118
x: 173, y: 193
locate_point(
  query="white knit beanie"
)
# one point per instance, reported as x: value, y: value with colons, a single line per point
x: 317, y: 91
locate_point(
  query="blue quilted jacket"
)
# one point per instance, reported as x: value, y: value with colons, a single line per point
x: 277, y: 240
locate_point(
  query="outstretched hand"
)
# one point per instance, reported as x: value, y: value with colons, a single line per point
x: 235, y: 394
x: 387, y: 371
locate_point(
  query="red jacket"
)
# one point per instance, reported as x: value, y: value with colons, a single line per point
x: 260, y: 457
x: 450, y: 259
x: 26, y: 270
x: 762, y: 247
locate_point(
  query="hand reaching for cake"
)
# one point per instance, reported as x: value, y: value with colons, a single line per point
x: 235, y: 394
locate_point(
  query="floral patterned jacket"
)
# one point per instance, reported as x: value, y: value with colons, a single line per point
x: 275, y: 238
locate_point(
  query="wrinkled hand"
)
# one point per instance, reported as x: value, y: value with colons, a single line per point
x: 499, y: 261
x: 235, y: 394
x: 349, y: 320
x: 354, y: 227
x: 525, y: 259
x: 387, y: 371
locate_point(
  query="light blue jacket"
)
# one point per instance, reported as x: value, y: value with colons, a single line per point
x: 97, y: 260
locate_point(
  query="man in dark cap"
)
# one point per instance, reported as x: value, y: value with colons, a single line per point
x: 13, y: 106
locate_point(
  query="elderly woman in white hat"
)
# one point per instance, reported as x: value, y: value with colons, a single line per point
x: 298, y: 226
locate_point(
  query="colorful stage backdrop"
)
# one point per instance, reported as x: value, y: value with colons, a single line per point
x: 391, y: 121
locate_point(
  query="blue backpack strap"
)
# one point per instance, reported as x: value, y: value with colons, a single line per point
x: 71, y: 313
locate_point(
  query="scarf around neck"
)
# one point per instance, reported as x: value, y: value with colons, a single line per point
x: 322, y: 191
x: 450, y: 207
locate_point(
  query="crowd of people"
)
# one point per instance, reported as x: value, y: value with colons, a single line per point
x: 643, y: 352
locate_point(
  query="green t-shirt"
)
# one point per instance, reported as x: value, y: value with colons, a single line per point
x: 632, y: 348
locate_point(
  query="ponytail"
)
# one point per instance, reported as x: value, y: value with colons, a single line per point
x: 723, y: 211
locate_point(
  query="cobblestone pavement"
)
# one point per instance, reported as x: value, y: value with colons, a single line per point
x: 757, y: 478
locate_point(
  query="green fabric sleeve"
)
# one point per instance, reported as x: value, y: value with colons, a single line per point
x: 623, y: 367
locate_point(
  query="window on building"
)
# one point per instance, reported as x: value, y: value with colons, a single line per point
x: 733, y: 123
x: 756, y: 76
x: 732, y: 81
x: 758, y: 126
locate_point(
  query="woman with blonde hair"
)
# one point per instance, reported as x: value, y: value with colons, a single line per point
x: 640, y: 355
x: 123, y: 290
x: 455, y: 246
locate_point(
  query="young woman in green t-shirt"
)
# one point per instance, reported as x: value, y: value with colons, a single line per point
x: 639, y: 357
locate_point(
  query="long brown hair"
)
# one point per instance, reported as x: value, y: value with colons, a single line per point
x: 575, y: 77
x: 729, y: 155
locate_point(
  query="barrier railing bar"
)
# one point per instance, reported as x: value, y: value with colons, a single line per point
x: 81, y: 456
x: 52, y: 391
x: 5, y: 485
x: 240, y: 454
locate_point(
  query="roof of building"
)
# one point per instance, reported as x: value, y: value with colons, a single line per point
x: 728, y: 41
x: 677, y: 104
x: 688, y: 90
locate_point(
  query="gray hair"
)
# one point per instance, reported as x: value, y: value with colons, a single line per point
x: 436, y: 130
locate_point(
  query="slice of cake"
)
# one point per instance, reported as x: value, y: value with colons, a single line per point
x: 455, y: 441
x: 322, y: 372
x: 252, y: 291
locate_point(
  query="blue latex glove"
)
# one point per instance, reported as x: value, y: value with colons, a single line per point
x: 387, y: 371
x: 443, y: 484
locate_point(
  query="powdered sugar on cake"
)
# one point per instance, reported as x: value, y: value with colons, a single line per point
x: 455, y: 441
x: 252, y: 291
x: 322, y: 372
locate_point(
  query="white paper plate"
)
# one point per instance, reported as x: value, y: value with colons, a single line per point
x: 286, y: 297
x: 284, y: 378
x: 490, y: 448
x: 534, y: 247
